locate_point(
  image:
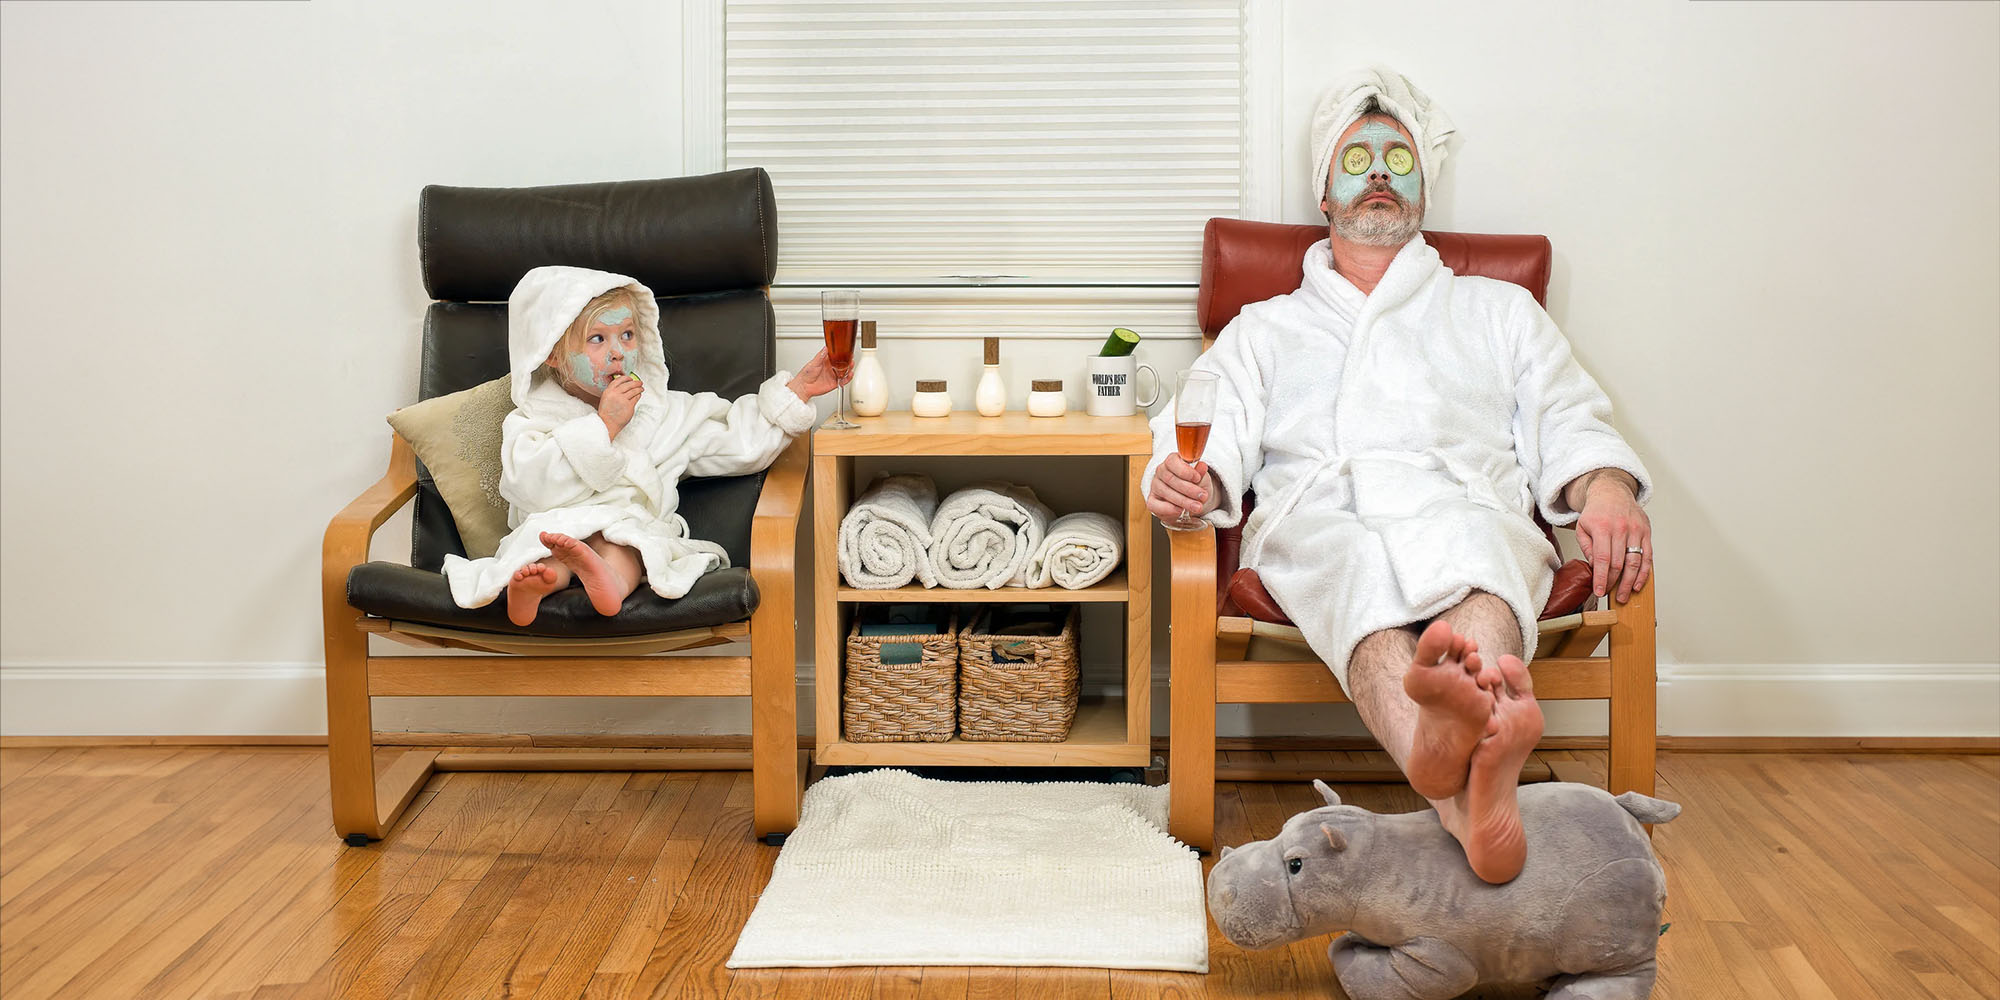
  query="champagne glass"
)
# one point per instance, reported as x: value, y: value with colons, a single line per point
x: 839, y: 314
x: 1194, y: 410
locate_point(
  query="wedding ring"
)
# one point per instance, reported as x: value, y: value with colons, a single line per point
x: 1634, y: 548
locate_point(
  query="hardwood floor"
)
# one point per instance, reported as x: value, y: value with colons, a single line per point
x: 168, y: 872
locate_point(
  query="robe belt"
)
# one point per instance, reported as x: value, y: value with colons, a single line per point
x: 1289, y: 500
x: 1476, y: 487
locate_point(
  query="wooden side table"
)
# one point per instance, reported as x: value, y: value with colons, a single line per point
x: 1110, y: 731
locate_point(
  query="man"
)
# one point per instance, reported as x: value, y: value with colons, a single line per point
x: 1399, y: 423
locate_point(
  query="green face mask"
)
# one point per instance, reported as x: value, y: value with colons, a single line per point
x: 1374, y: 148
x: 584, y: 373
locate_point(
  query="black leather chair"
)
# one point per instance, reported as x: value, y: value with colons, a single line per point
x: 707, y: 246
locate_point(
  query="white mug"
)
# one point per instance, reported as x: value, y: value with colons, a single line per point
x: 1112, y: 388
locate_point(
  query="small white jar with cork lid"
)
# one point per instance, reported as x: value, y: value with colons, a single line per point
x: 930, y: 399
x: 1045, y: 398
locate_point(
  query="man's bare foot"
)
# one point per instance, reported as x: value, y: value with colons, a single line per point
x: 1492, y: 838
x: 602, y: 584
x: 1453, y: 710
x: 531, y: 583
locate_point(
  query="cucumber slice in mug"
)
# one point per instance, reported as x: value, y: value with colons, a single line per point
x: 1119, y: 344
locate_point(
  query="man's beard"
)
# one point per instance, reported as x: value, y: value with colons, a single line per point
x: 1367, y: 225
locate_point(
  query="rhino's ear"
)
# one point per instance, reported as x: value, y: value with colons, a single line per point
x: 1226, y: 851
x: 1334, y: 838
x: 1332, y: 797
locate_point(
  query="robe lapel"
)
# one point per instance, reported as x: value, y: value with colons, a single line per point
x: 1415, y: 265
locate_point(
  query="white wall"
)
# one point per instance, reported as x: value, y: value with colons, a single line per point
x: 208, y: 214
x: 219, y: 202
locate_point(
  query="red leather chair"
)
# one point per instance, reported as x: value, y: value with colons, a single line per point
x: 1233, y: 644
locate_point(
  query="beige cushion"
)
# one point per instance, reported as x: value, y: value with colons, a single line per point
x: 457, y: 437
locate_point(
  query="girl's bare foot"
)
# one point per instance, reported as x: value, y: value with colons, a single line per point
x: 602, y: 583
x: 531, y: 583
x: 1453, y: 711
x: 1492, y: 837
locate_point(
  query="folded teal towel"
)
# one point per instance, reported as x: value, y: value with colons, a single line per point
x: 892, y: 628
x: 903, y: 619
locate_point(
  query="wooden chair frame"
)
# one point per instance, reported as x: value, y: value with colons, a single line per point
x: 1209, y: 667
x: 366, y: 805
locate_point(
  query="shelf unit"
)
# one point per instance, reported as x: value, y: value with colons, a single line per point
x: 1110, y: 731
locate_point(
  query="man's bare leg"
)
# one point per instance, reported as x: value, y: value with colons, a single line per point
x: 1454, y: 710
x: 1488, y: 816
x: 1378, y: 680
x: 530, y: 584
x: 1389, y: 673
x: 608, y: 571
x: 1492, y: 836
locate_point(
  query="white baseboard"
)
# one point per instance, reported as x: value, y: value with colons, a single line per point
x: 1830, y: 699
x: 218, y: 699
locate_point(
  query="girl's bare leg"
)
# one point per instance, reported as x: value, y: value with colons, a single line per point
x: 530, y: 584
x: 608, y: 571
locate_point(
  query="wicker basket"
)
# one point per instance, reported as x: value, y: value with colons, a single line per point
x: 1015, y: 688
x: 899, y: 702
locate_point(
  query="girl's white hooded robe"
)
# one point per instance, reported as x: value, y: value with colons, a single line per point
x: 562, y: 472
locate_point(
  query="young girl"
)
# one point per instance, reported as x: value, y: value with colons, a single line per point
x: 592, y: 454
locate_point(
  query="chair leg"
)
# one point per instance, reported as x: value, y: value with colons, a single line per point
x: 1634, y: 695
x: 1191, y: 690
x: 774, y: 710
x: 350, y: 730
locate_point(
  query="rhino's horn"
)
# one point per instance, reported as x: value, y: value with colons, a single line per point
x: 1332, y: 797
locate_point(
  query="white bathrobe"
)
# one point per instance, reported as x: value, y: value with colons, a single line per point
x: 1397, y: 442
x: 561, y: 471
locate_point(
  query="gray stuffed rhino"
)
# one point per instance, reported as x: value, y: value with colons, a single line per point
x: 1582, y: 920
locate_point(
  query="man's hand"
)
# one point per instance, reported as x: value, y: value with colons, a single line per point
x: 1178, y: 486
x: 616, y: 405
x: 1611, y: 523
x: 817, y: 378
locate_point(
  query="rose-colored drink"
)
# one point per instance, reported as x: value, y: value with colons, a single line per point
x: 840, y: 344
x: 839, y: 316
x: 1191, y: 439
x: 1194, y: 410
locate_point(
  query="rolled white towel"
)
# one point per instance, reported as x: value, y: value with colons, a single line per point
x: 1079, y: 550
x: 885, y: 539
x: 984, y: 534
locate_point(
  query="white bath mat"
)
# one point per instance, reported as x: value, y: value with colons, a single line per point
x: 887, y: 868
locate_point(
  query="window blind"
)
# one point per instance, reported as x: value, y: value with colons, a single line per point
x: 988, y: 141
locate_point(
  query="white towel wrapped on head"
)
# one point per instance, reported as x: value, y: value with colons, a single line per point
x: 1393, y: 92
x: 885, y: 539
x: 1079, y: 550
x: 984, y: 534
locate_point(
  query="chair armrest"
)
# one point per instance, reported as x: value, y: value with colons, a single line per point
x: 1639, y: 609
x: 348, y: 534
x: 774, y: 525
x: 1191, y: 557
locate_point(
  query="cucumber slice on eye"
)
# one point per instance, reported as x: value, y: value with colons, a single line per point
x: 1400, y: 160
x: 1356, y: 160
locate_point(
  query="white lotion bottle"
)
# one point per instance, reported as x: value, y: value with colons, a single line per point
x: 868, y: 392
x: 990, y: 399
